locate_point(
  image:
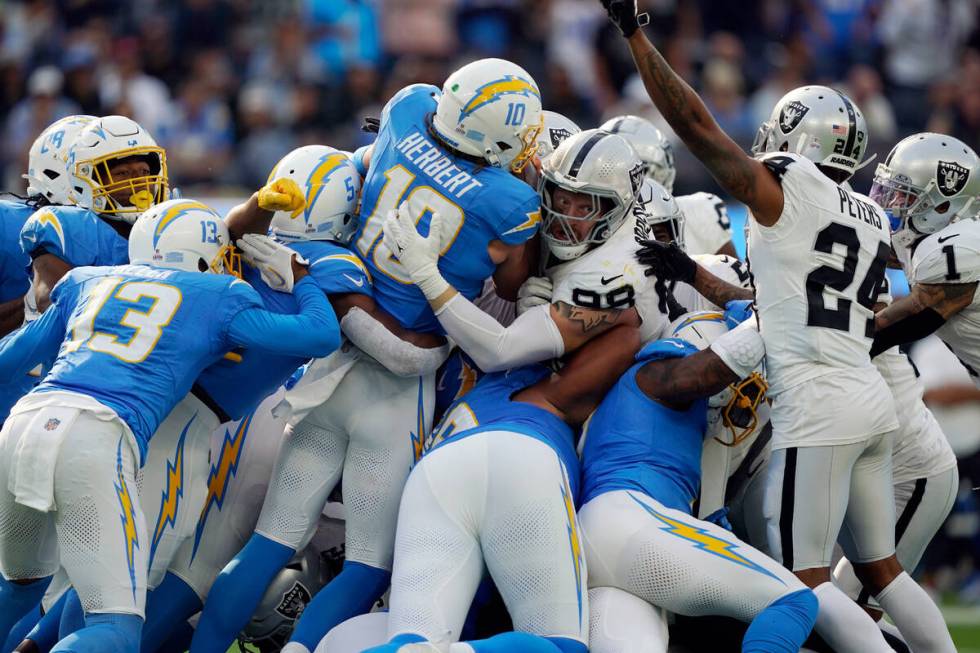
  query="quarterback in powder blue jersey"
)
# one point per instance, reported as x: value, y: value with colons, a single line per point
x: 641, y: 467
x: 132, y: 339
x: 453, y: 152
x: 498, y: 486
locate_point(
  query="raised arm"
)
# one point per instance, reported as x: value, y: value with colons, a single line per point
x: 254, y: 215
x: 738, y: 173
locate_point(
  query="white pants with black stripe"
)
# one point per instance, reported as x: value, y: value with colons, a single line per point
x: 922, y: 506
x: 369, y: 431
x: 816, y: 496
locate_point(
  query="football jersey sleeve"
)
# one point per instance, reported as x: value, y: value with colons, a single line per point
x: 706, y: 224
x: 522, y: 221
x: 341, y: 272
x: 950, y: 258
x: 44, y: 233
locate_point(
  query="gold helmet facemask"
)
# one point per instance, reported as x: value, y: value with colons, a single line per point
x: 740, y: 415
x: 227, y: 261
x: 140, y: 192
x: 530, y: 139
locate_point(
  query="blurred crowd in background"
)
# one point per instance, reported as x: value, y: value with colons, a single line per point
x: 229, y: 86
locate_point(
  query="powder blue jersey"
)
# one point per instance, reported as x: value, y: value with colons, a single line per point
x: 238, y: 383
x: 635, y: 443
x: 15, y: 281
x: 478, y: 204
x: 489, y: 407
x: 75, y: 235
x: 138, y: 336
x: 14, y: 263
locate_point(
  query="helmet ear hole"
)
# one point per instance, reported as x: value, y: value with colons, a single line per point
x: 784, y: 147
x: 503, y: 146
x: 202, y: 265
x: 942, y: 208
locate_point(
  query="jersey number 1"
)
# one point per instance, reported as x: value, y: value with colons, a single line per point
x: 825, y: 276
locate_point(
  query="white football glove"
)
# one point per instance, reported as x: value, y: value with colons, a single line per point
x: 272, y: 259
x: 534, y: 292
x: 418, y: 254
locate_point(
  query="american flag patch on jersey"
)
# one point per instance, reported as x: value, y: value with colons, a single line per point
x: 839, y: 130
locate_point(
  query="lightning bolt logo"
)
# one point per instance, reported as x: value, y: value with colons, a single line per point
x: 533, y: 220
x: 327, y: 164
x: 573, y: 541
x: 468, y: 376
x: 127, y: 517
x: 221, y: 474
x: 172, y: 213
x: 702, y: 539
x: 418, y: 435
x: 49, y: 218
x: 172, y: 493
x: 493, y: 91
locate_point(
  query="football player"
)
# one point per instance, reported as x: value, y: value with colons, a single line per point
x: 132, y: 340
x: 497, y: 487
x: 928, y: 186
x: 641, y: 474
x: 832, y: 412
x: 310, y: 203
x: 707, y: 229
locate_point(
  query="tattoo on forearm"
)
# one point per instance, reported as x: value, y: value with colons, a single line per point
x: 587, y: 318
x: 682, y: 380
x: 945, y: 299
x: 717, y: 291
x: 687, y: 115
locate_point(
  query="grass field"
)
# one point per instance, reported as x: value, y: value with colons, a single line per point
x: 964, y: 625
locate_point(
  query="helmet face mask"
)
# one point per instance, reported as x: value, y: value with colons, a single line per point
x: 106, y: 172
x: 740, y: 413
x: 491, y: 109
x: 592, y: 163
x: 927, y: 182
x: 660, y: 215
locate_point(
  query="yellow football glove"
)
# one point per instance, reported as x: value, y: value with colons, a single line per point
x: 283, y: 194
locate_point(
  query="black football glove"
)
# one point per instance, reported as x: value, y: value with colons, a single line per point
x: 371, y: 125
x: 623, y: 14
x: 667, y: 262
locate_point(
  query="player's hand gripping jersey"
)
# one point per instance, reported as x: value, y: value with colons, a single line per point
x: 237, y: 386
x: 817, y: 273
x: 478, y: 204
x: 952, y: 256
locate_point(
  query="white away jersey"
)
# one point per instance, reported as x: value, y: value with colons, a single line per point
x: 609, y: 276
x: 952, y: 256
x: 817, y: 273
x: 726, y: 268
x: 706, y: 224
x: 919, y: 447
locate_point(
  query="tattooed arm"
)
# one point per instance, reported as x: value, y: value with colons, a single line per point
x: 718, y: 291
x: 737, y: 172
x: 578, y: 325
x: 676, y: 382
x: 921, y: 312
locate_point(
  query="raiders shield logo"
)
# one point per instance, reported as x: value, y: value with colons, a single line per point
x: 791, y: 115
x: 557, y: 136
x: 951, y: 177
x: 294, y: 601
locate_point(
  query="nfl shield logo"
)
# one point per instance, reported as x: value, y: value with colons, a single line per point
x: 951, y: 177
x: 791, y: 115
x: 52, y: 424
